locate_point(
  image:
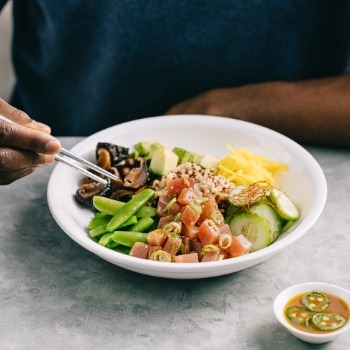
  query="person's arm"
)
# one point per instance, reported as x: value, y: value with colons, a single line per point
x: 23, y: 147
x: 315, y: 111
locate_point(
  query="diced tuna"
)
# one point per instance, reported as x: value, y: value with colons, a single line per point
x: 208, y: 232
x: 239, y: 246
x: 175, y: 186
x: 186, y: 245
x: 163, y: 202
x: 207, y: 209
x: 139, y: 250
x: 224, y: 229
x: 165, y: 220
x: 190, y: 232
x: 212, y: 256
x: 187, y: 194
x: 196, y: 246
x: 189, y: 216
x: 185, y: 258
x: 156, y: 237
x: 172, y: 245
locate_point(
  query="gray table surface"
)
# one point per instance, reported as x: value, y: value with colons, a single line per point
x: 56, y: 295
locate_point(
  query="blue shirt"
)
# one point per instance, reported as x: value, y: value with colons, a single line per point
x: 82, y: 66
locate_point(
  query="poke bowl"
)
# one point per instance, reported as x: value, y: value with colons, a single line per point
x: 303, y: 181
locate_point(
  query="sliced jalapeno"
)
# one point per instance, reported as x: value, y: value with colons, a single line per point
x: 315, y: 301
x: 298, y: 314
x: 328, y: 322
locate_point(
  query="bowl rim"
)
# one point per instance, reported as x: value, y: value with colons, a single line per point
x: 309, y: 286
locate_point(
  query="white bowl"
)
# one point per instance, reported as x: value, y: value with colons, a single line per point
x: 283, y: 297
x: 304, y: 182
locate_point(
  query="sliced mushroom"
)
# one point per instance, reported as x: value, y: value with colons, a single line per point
x: 117, y: 153
x: 86, y: 192
x: 138, y: 176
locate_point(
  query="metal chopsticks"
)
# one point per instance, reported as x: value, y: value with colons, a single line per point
x: 83, y: 161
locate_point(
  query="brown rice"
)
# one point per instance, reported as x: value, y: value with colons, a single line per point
x: 217, y: 185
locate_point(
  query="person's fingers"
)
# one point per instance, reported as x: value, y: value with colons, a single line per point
x: 15, y: 160
x: 7, y: 177
x: 21, y: 117
x: 21, y: 137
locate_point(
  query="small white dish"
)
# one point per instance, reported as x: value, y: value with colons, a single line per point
x: 283, y: 297
x: 304, y: 182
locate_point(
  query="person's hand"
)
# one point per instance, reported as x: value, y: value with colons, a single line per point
x: 23, y: 147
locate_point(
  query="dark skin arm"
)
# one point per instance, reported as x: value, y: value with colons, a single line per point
x: 23, y: 147
x: 313, y: 112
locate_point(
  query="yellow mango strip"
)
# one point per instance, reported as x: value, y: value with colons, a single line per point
x: 244, y: 167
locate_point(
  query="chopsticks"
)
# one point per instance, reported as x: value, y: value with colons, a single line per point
x: 64, y: 152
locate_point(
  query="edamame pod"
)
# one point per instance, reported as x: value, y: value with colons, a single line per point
x: 130, y: 208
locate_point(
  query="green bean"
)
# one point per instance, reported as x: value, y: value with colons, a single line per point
x: 130, y: 221
x: 130, y: 208
x: 142, y: 225
x: 105, y: 239
x: 98, y: 231
x: 146, y: 211
x: 107, y: 205
x: 110, y: 206
x: 99, y: 221
x: 128, y: 238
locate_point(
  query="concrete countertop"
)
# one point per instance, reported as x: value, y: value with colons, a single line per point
x: 56, y: 295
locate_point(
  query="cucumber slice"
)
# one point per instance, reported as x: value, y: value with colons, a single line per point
x: 267, y: 212
x: 255, y: 228
x: 284, y: 205
x: 243, y: 195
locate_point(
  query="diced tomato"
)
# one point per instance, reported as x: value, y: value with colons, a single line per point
x: 163, y: 202
x: 212, y: 256
x: 224, y: 229
x: 185, y: 258
x: 172, y: 245
x: 175, y: 186
x: 239, y: 246
x: 156, y: 237
x: 139, y: 250
x: 189, y: 216
x: 207, y: 209
x: 187, y: 194
x: 208, y: 232
x: 190, y: 232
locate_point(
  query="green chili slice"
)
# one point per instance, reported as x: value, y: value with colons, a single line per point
x: 161, y: 255
x: 172, y: 228
x: 209, y: 248
x: 170, y: 204
x: 195, y: 206
x: 298, y: 314
x: 315, y: 301
x: 328, y: 322
x: 217, y: 217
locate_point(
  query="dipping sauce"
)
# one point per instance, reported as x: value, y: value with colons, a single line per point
x: 317, y: 312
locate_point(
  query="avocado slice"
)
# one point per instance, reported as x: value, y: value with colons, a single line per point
x: 163, y: 161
